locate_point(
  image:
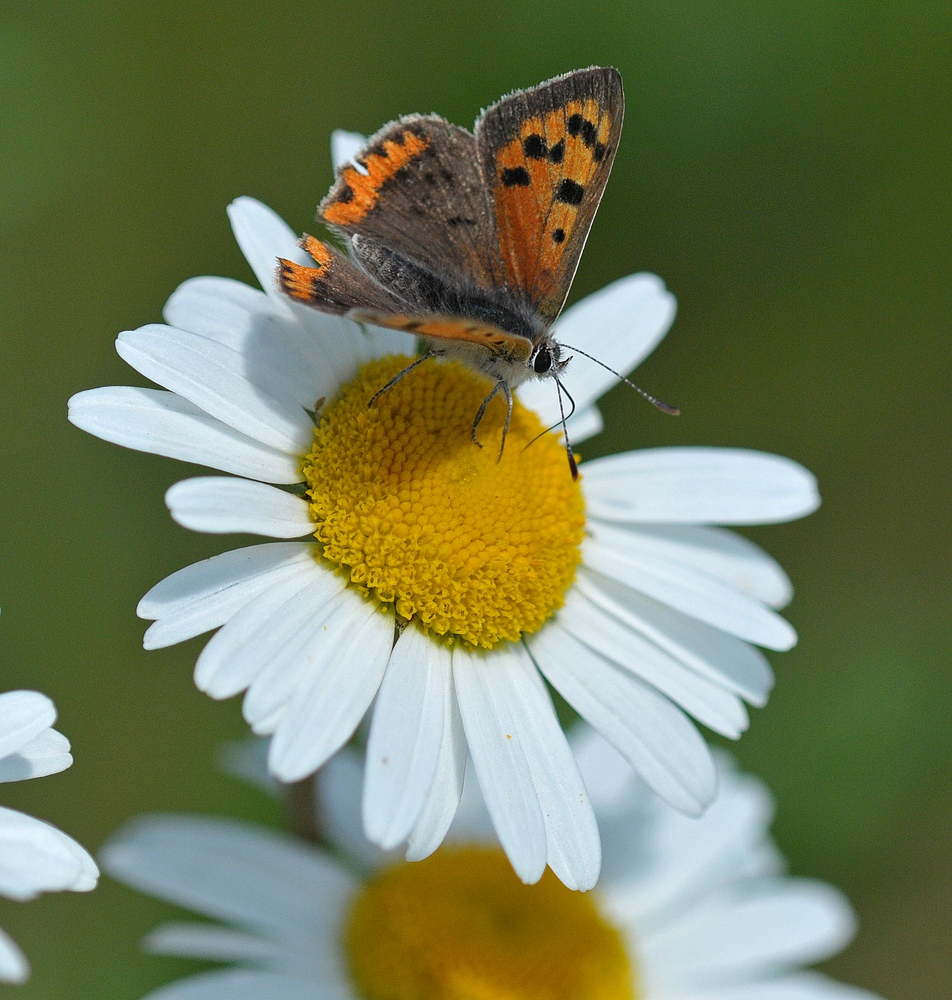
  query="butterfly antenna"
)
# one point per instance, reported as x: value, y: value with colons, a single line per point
x: 552, y: 427
x: 664, y: 407
x: 573, y: 465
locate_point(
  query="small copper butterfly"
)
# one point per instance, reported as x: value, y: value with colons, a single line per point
x: 471, y: 240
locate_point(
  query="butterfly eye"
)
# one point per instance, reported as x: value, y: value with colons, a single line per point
x: 542, y: 362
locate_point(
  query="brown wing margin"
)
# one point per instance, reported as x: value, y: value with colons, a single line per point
x: 416, y: 188
x: 546, y: 154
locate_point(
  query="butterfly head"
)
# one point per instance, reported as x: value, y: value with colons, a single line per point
x: 546, y: 360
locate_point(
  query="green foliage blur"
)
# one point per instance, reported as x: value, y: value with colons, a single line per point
x: 785, y: 168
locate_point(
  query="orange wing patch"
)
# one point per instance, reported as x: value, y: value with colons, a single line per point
x: 356, y: 193
x: 542, y: 178
x: 458, y: 329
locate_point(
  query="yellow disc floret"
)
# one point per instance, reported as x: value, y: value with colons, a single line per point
x: 461, y: 926
x: 456, y: 539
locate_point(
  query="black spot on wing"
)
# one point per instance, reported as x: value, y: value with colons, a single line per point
x: 570, y: 192
x: 557, y: 152
x: 534, y: 147
x: 345, y: 194
x: 558, y: 236
x: 574, y: 124
x: 598, y: 153
x: 515, y: 177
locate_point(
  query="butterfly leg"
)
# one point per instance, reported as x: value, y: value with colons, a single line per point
x: 500, y: 386
x: 396, y: 378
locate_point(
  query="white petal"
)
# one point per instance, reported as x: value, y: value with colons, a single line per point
x: 292, y: 646
x: 722, y: 554
x: 406, y: 733
x: 801, y: 986
x: 706, y: 700
x: 345, y: 146
x: 47, y: 753
x: 585, y: 424
x: 774, y: 925
x: 163, y: 423
x: 730, y: 662
x: 215, y: 378
x: 486, y: 690
x: 23, y: 716
x: 257, y: 878
x: 220, y: 504
x: 263, y: 635
x: 690, y: 857
x: 14, y: 968
x: 36, y: 857
x: 250, y: 984
x: 651, y: 733
x: 620, y: 325
x: 207, y: 594
x: 446, y: 791
x: 280, y: 354
x: 699, y: 486
x: 323, y: 717
x: 693, y: 593
x: 216, y: 944
x: 263, y: 237
x: 512, y: 729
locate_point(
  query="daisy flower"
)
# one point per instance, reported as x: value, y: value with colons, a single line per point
x: 34, y: 856
x: 437, y: 580
x: 687, y: 909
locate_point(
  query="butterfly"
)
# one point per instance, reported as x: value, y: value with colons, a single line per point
x: 470, y: 240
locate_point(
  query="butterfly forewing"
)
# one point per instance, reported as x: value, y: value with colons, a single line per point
x: 416, y: 188
x: 546, y: 154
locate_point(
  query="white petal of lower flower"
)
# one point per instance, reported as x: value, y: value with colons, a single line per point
x: 221, y: 505
x: 14, y: 968
x: 207, y: 594
x: 723, y: 554
x: 326, y: 713
x: 23, y: 716
x: 163, y: 423
x: 47, y: 753
x: 707, y: 701
x: 693, y: 856
x: 215, y: 944
x: 692, y: 592
x: 35, y: 857
x: 406, y: 733
x: 263, y: 237
x: 256, y: 634
x: 443, y: 798
x: 619, y: 325
x: 249, y: 984
x: 801, y: 986
x: 699, y: 486
x: 779, y: 924
x: 281, y: 356
x: 731, y: 662
x: 338, y: 786
x: 215, y: 379
x: 652, y: 734
x: 259, y: 879
x: 522, y: 760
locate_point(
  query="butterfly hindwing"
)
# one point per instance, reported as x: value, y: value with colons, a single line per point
x: 546, y: 154
x: 417, y: 189
x: 334, y: 284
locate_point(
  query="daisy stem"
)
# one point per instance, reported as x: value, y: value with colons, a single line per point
x: 301, y: 807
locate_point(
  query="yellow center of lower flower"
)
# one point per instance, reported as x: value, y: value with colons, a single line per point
x: 461, y: 926
x: 455, y: 538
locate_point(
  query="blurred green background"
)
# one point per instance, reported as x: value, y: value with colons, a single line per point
x: 785, y: 168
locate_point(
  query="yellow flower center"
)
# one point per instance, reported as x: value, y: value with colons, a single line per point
x: 461, y: 926
x: 420, y: 517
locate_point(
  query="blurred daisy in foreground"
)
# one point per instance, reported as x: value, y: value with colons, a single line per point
x: 34, y: 856
x: 437, y: 581
x: 687, y: 909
